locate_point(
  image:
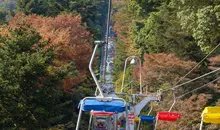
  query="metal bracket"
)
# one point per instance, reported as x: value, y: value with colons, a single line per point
x: 100, y: 43
x: 159, y: 95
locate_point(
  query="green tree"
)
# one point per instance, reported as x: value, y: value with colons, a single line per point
x: 143, y: 7
x: 93, y: 12
x: 7, y: 9
x: 30, y: 94
x: 162, y: 32
x: 2, y: 17
x: 201, y: 19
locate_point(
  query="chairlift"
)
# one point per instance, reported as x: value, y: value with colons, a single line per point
x: 101, y: 120
x: 167, y: 115
x: 147, y: 118
x: 105, y: 104
x: 210, y: 115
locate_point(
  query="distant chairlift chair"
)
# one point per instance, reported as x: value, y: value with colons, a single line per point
x: 101, y: 120
x: 147, y: 118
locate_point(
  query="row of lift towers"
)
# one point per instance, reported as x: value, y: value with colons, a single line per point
x: 109, y: 112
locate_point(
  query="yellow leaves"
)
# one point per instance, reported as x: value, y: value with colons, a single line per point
x: 4, y: 31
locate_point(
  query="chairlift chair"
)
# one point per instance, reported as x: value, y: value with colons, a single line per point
x: 105, y: 104
x: 210, y: 115
x: 147, y: 118
x: 100, y: 120
x: 168, y: 115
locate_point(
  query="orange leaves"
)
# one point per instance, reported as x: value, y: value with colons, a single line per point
x: 214, y: 62
x: 122, y: 26
x: 163, y: 61
x: 163, y: 69
x: 215, y: 59
x: 65, y: 33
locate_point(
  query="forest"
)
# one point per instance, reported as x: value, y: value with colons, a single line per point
x: 46, y: 45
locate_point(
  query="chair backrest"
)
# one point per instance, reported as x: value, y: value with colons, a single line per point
x: 98, y: 113
x: 211, y: 115
x: 168, y: 116
x: 147, y: 118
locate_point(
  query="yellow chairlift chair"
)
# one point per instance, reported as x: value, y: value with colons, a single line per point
x: 210, y: 115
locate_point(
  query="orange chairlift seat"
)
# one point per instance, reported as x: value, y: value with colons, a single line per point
x: 210, y: 115
x: 167, y: 115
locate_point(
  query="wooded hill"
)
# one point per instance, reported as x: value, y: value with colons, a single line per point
x: 45, y: 47
x: 171, y: 37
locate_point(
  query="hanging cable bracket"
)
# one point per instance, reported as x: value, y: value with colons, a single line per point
x: 97, y: 42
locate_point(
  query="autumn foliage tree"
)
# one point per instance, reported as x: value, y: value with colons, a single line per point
x: 93, y: 12
x: 163, y: 70
x: 70, y: 40
x: 47, y: 101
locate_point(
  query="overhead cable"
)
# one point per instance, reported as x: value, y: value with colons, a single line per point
x: 198, y: 88
x: 177, y: 86
x: 198, y: 64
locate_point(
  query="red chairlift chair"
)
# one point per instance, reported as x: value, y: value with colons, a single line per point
x: 167, y: 115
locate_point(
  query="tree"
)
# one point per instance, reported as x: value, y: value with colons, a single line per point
x: 125, y: 46
x: 177, y: 27
x: 2, y: 17
x: 7, y: 9
x: 172, y: 36
x: 200, y: 19
x: 161, y: 70
x: 93, y: 12
x: 162, y: 32
x: 30, y: 91
x: 69, y: 43
x: 69, y: 38
x: 143, y: 7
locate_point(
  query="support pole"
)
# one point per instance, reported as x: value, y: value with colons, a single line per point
x: 90, y: 121
x: 201, y: 124
x: 139, y: 124
x: 80, y: 114
x: 123, y: 78
x: 115, y: 121
x: 106, y: 40
x: 92, y: 72
x: 155, y: 127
